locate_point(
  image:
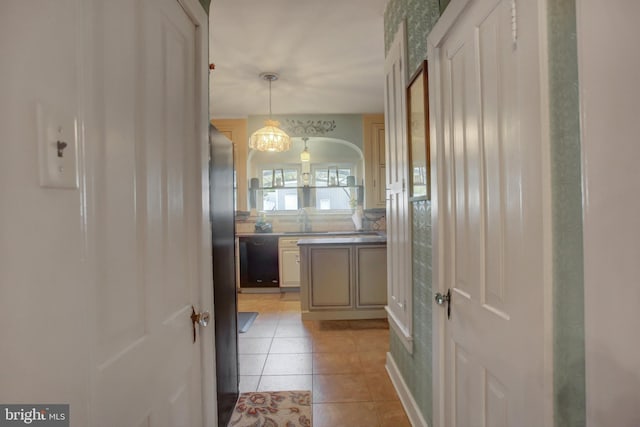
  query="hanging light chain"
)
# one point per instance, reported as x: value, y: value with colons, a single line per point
x: 270, y: 80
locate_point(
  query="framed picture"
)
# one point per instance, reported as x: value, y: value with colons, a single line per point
x: 418, y: 126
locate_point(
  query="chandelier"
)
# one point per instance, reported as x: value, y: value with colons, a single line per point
x: 270, y: 137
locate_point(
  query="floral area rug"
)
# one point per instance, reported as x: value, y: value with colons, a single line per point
x: 272, y: 409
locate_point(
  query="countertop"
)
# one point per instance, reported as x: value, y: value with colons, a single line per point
x: 329, y: 234
x: 363, y: 240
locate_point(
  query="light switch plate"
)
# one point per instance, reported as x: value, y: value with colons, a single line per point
x: 57, y: 148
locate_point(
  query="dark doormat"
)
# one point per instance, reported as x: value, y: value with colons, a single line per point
x: 245, y: 319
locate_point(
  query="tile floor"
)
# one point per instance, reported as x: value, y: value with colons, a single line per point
x: 341, y: 362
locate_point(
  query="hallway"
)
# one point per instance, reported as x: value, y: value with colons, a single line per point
x: 342, y: 362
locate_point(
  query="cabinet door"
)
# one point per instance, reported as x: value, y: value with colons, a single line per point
x: 374, y: 146
x: 236, y: 131
x: 371, y: 276
x: 380, y: 183
x: 289, y: 268
x: 330, y: 277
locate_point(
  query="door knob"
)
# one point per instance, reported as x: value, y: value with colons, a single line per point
x: 444, y: 299
x: 201, y: 319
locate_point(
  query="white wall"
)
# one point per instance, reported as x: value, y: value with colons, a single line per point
x: 43, y: 349
x: 609, y: 66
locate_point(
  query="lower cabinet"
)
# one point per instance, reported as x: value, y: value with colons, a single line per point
x: 289, y: 261
x: 343, y: 281
x: 371, y: 276
x: 330, y: 277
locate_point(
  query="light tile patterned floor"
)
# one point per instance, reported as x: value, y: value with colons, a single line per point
x: 342, y: 362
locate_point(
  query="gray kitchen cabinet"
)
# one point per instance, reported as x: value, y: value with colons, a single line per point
x: 370, y: 268
x: 330, y: 270
x: 343, y: 278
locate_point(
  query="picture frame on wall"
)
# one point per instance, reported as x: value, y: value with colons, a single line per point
x: 418, y: 127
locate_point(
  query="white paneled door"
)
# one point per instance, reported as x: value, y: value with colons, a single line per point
x: 148, y: 216
x: 490, y: 214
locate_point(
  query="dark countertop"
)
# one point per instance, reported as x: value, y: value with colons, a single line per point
x: 364, y: 240
x: 313, y: 233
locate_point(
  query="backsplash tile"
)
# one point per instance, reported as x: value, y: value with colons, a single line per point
x: 319, y: 222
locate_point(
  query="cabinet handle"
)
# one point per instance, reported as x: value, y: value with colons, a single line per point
x: 298, y: 259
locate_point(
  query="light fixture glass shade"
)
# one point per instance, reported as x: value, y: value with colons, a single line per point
x: 270, y: 138
x: 305, y: 156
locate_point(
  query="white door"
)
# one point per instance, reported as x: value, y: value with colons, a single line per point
x: 490, y: 220
x: 148, y: 216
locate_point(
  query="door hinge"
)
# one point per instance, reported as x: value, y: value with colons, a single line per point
x: 514, y: 24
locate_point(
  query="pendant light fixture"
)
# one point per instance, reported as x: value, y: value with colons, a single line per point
x: 270, y: 137
x: 305, y: 156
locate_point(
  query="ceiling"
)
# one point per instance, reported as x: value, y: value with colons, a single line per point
x: 329, y: 55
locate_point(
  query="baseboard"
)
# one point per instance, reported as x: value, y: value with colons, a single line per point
x: 344, y: 314
x: 406, y: 398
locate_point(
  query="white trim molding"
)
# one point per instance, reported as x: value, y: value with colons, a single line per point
x: 399, y: 272
x: 405, y: 336
x: 200, y: 19
x: 406, y: 397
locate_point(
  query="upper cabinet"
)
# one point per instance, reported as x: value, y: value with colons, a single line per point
x: 236, y: 131
x: 375, y: 164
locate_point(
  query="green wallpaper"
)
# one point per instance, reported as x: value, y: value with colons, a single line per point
x: 416, y: 368
x: 569, y: 360
x: 569, y: 385
x: 443, y: 5
x: 421, y: 16
x: 205, y: 4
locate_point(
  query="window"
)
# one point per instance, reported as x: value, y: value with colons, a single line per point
x: 331, y: 176
x: 336, y: 195
x: 282, y: 188
x: 279, y: 189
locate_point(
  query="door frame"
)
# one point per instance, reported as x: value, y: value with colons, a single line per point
x: 609, y: 227
x: 195, y: 11
x: 434, y: 42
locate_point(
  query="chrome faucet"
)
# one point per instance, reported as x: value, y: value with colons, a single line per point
x: 303, y: 220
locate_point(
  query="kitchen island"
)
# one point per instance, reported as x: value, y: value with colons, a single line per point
x: 270, y: 262
x: 343, y: 277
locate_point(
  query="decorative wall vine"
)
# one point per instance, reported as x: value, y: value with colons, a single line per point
x: 308, y: 127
